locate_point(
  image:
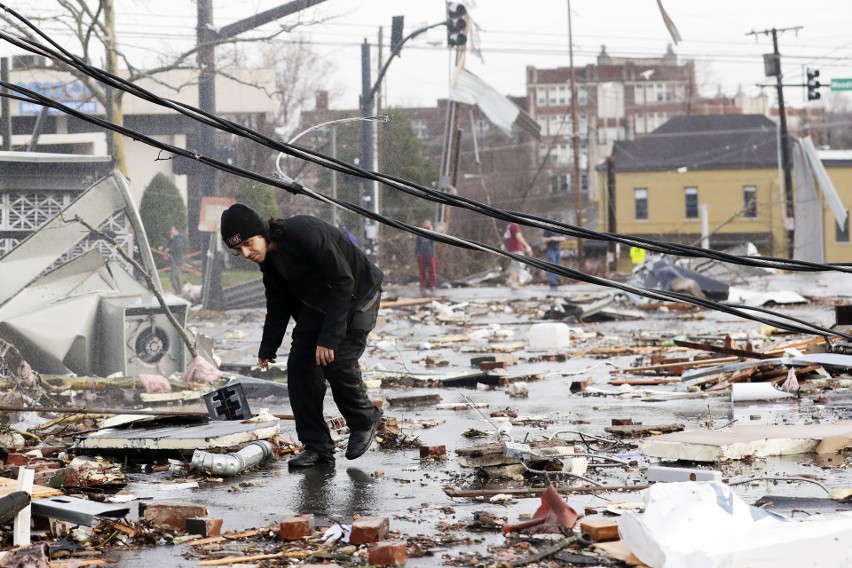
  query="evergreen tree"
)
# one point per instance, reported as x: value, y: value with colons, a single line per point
x: 258, y: 196
x: 161, y: 208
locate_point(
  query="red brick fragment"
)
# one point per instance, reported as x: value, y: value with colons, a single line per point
x: 295, y: 527
x: 491, y: 365
x: 172, y: 515
x: 433, y: 452
x: 204, y: 526
x: 622, y: 421
x: 369, y: 529
x: 388, y: 553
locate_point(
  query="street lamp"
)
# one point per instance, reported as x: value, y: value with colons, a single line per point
x: 333, y: 124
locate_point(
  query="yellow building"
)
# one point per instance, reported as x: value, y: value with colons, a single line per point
x: 716, y: 176
x: 838, y: 165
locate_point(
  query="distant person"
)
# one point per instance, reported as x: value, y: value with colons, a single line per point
x: 314, y: 275
x: 637, y: 255
x: 553, y: 250
x: 424, y: 248
x: 349, y: 234
x: 514, y: 242
x: 175, y: 250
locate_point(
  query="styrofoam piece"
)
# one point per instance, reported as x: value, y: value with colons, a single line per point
x: 670, y: 474
x: 549, y: 336
x: 750, y: 392
x: 740, y: 441
x: 706, y: 524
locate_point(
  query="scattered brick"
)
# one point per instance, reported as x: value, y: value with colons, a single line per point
x: 578, y: 386
x: 204, y: 526
x: 491, y: 365
x: 369, y: 529
x: 433, y: 452
x: 622, y: 421
x: 171, y: 515
x: 388, y: 553
x: 295, y: 527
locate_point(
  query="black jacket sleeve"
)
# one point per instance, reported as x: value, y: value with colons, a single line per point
x: 275, y: 325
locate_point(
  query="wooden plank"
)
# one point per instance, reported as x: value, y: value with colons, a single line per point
x: 519, y: 492
x: 22, y: 520
x: 644, y: 382
x: 600, y: 530
x: 618, y: 550
x: 677, y: 367
x: 7, y: 486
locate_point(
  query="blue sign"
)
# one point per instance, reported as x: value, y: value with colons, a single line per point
x: 88, y: 107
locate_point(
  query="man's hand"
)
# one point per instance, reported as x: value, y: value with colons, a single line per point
x: 324, y: 355
x: 264, y: 363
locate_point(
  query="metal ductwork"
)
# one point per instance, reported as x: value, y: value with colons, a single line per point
x: 228, y: 465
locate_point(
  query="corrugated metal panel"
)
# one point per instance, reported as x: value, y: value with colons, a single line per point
x: 246, y: 295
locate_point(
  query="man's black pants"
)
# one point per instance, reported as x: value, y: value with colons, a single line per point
x: 306, y: 383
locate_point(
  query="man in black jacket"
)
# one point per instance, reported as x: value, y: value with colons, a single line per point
x: 314, y: 274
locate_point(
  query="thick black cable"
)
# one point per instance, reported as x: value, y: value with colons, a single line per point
x: 419, y: 191
x: 663, y: 295
x: 662, y: 247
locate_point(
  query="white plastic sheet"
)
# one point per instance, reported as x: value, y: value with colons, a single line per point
x: 706, y: 525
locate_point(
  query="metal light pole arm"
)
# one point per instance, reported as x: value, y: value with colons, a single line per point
x: 236, y: 28
x: 395, y: 52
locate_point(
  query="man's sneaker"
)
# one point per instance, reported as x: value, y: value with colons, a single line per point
x: 310, y: 458
x: 360, y: 440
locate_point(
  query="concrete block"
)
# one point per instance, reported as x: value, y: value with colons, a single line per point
x: 433, y: 452
x: 369, y: 529
x: 387, y: 553
x: 662, y: 473
x: 172, y: 515
x: 204, y: 526
x: 295, y: 527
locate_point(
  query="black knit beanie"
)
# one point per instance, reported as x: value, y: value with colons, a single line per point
x: 240, y: 223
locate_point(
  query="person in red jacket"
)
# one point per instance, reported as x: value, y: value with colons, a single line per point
x: 314, y: 275
x: 513, y: 241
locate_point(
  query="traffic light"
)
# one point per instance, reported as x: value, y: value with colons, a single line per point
x: 456, y: 24
x: 813, y: 84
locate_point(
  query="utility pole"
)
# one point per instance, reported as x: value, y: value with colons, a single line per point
x: 203, y: 181
x: 772, y: 63
x: 370, y: 188
x: 575, y: 141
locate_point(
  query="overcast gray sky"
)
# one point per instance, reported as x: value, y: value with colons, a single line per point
x: 514, y: 34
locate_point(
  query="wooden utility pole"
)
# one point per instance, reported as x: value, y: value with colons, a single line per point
x: 790, y: 206
x: 575, y: 141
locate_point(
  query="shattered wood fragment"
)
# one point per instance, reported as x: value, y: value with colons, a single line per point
x: 226, y: 537
x: 600, y: 530
x: 674, y: 368
x: 725, y: 350
x: 641, y: 430
x: 643, y: 382
x: 411, y: 401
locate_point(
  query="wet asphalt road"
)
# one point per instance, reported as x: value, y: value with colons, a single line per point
x: 394, y: 483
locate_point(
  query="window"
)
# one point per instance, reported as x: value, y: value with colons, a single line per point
x: 841, y: 234
x: 541, y: 96
x: 750, y: 202
x: 559, y: 183
x: 421, y: 130
x: 640, y: 200
x: 690, y: 196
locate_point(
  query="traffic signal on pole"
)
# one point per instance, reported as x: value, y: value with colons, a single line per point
x: 813, y: 84
x: 456, y: 24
